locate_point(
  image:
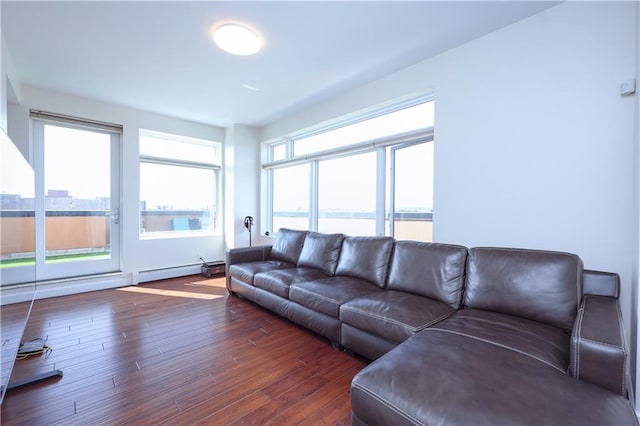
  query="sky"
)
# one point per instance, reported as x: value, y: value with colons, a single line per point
x: 79, y: 161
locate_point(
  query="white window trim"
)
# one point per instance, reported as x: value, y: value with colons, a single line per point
x: 359, y: 117
x: 214, y: 165
x: 414, y: 136
x: 377, y: 145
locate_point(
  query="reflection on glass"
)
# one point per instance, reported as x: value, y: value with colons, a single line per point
x: 17, y: 208
x: 17, y: 251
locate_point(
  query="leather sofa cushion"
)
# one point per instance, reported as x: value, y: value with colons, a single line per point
x: 429, y: 269
x: 279, y: 281
x: 393, y: 315
x: 328, y: 294
x: 321, y: 251
x: 547, y: 344
x: 288, y: 245
x: 246, y: 271
x: 438, y: 378
x: 538, y: 285
x: 366, y: 258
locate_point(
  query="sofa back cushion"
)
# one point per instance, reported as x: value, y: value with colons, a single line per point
x: 321, y: 251
x: 366, y: 258
x: 429, y: 269
x: 288, y: 245
x: 539, y: 285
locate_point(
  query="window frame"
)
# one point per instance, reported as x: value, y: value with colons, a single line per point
x: 378, y: 145
x: 214, y: 165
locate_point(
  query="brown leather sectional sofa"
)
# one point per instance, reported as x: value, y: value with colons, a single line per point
x: 490, y: 336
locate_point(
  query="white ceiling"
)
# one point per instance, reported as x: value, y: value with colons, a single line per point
x: 157, y: 56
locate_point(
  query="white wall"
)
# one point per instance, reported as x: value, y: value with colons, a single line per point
x: 534, y: 146
x: 242, y: 190
x: 3, y: 79
x: 137, y: 255
x: 9, y: 82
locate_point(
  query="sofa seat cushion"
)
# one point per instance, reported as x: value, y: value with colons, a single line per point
x: 246, y: 271
x: 328, y: 294
x: 544, y: 343
x: 440, y: 378
x: 393, y: 315
x: 278, y: 281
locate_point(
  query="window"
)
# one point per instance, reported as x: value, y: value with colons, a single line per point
x: 291, y: 197
x: 403, y: 120
x: 279, y: 151
x: 409, y: 208
x: 346, y: 195
x: 372, y: 176
x: 179, y: 185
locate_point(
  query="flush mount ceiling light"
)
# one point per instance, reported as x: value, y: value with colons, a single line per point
x: 237, y: 39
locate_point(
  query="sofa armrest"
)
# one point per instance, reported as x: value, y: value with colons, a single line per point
x: 601, y: 283
x: 244, y: 255
x: 248, y: 254
x: 597, y: 348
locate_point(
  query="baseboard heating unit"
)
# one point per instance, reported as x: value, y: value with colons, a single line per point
x: 212, y: 269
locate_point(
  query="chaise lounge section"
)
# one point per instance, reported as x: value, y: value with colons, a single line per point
x: 456, y: 335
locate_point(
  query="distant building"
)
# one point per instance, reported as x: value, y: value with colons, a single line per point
x: 56, y: 199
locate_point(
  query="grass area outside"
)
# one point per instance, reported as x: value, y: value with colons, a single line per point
x: 9, y: 263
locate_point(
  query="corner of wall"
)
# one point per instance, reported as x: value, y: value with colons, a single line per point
x: 11, y: 86
x: 242, y: 183
x: 228, y: 184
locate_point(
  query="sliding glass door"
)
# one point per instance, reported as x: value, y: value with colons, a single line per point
x: 77, y: 198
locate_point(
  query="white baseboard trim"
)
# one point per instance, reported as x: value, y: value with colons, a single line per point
x: 17, y: 293
x: 55, y: 288
x: 163, y: 274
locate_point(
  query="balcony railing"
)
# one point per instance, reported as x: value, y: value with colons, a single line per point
x: 407, y: 225
x: 77, y: 232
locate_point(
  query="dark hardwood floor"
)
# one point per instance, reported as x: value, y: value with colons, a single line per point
x: 173, y: 352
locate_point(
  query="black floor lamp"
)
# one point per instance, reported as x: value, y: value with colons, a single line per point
x: 248, y: 223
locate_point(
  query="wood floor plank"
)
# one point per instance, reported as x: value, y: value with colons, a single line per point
x: 310, y: 406
x: 275, y: 406
x: 177, y: 351
x: 230, y: 412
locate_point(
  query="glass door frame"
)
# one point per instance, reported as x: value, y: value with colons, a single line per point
x: 68, y: 269
x: 392, y: 179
